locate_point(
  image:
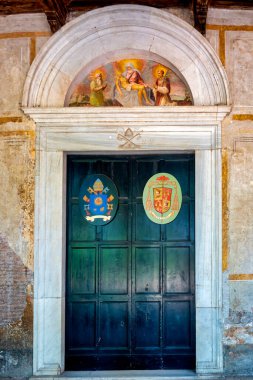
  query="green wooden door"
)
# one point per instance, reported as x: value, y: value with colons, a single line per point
x: 130, y: 283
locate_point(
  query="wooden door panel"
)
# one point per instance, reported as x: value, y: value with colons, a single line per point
x: 179, y: 230
x: 82, y: 316
x: 177, y: 326
x: 118, y: 228
x: 179, y: 168
x: 114, y: 325
x: 114, y: 270
x: 130, y: 283
x: 121, y: 176
x: 81, y: 283
x: 80, y: 170
x: 147, y: 325
x: 177, y: 270
x: 80, y: 230
x: 145, y: 229
x: 143, y: 170
x: 147, y: 270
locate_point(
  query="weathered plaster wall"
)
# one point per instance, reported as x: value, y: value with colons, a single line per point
x: 20, y: 39
x: 238, y: 247
x: 231, y: 35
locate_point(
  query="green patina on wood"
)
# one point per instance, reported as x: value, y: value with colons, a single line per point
x: 130, y: 296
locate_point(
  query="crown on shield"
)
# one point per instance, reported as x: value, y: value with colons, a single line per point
x: 163, y: 178
x: 98, y: 186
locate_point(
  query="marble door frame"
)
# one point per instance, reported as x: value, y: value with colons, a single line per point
x: 66, y: 130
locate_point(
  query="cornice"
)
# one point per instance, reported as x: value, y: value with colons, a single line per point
x: 112, y: 116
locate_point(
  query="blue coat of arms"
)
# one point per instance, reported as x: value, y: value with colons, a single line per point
x: 98, y: 199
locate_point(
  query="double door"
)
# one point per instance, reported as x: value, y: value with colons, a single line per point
x: 130, y: 283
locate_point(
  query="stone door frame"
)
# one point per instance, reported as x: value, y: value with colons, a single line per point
x: 66, y: 130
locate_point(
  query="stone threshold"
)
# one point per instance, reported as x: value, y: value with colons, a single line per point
x: 131, y: 375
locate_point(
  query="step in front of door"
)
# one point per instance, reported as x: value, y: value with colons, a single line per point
x: 132, y: 375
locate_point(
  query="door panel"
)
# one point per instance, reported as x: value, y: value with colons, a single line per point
x: 149, y: 231
x: 144, y: 169
x: 77, y: 231
x: 83, y: 258
x: 177, y: 324
x: 180, y: 228
x: 117, y: 229
x: 121, y: 174
x: 114, y: 325
x: 177, y: 270
x: 147, y: 270
x: 130, y: 283
x: 83, y: 315
x: 147, y: 325
x: 114, y: 270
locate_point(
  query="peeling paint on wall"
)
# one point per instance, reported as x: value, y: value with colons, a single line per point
x: 15, y: 280
x: 16, y: 248
x: 238, y: 295
x: 17, y: 192
x: 26, y: 198
x: 16, y: 313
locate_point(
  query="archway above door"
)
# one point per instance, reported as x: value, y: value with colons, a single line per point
x: 118, y: 32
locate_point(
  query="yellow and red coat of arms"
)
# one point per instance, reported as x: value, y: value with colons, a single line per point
x: 162, y: 198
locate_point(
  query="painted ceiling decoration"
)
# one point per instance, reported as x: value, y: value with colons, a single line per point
x: 57, y: 11
x: 129, y: 82
x: 98, y: 199
x: 162, y: 198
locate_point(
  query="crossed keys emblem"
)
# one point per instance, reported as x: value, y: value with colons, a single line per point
x: 127, y: 138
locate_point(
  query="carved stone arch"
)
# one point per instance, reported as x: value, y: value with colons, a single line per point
x: 121, y: 31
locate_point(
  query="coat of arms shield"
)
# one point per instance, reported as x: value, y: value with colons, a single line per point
x: 98, y: 199
x: 162, y: 198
